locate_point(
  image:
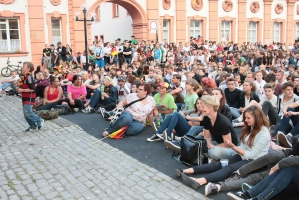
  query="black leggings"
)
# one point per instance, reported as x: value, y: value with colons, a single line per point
x: 78, y: 103
x: 219, y: 174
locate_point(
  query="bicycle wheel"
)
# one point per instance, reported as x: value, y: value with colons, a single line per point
x: 19, y: 70
x: 6, y: 72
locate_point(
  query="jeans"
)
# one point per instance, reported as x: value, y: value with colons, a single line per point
x: 195, y: 130
x: 31, y: 118
x: 127, y: 60
x: 275, y: 183
x: 271, y: 112
x: 5, y: 85
x: 97, y: 97
x: 175, y: 121
x: 235, y: 112
x: 234, y: 163
x: 252, y: 179
x: 285, y: 123
x: 48, y: 62
x: 126, y: 119
x: 271, y: 158
x: 218, y: 153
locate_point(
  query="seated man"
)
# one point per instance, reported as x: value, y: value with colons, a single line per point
x: 107, y: 98
x: 9, y: 82
x: 40, y: 84
x: 122, y: 88
x: 177, y: 90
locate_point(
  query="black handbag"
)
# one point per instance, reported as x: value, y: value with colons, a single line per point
x: 193, y: 149
x: 63, y: 109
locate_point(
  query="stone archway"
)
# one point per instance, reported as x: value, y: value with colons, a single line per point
x: 139, y: 18
x: 135, y: 10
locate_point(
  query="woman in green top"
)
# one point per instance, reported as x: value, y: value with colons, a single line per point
x: 164, y: 103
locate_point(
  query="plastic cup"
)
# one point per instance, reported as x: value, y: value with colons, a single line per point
x: 224, y: 162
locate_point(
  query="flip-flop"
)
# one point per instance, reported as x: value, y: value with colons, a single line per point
x: 190, y: 181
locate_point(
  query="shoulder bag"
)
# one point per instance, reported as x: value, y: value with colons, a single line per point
x: 118, y: 111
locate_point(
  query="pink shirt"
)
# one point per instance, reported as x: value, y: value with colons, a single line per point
x: 138, y: 110
x: 77, y: 91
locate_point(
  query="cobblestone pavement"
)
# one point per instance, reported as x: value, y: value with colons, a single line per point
x: 64, y: 162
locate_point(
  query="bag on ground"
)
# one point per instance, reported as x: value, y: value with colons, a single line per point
x: 47, y: 114
x: 193, y: 150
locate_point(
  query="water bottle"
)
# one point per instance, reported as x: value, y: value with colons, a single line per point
x: 102, y: 90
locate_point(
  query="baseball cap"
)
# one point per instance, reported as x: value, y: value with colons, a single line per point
x: 164, y: 85
x: 121, y: 78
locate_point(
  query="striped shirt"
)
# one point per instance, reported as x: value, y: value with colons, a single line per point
x: 28, y: 97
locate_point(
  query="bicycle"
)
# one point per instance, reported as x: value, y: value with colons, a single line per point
x: 6, y: 71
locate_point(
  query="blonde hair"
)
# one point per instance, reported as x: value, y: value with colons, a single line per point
x: 108, y: 79
x: 211, y: 101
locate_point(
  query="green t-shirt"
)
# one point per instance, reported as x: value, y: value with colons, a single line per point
x: 166, y: 103
x: 190, y: 101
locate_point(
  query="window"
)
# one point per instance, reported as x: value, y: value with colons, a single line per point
x: 276, y: 31
x: 297, y: 30
x: 252, y: 36
x: 225, y: 29
x: 99, y: 13
x: 56, y: 30
x: 117, y: 11
x: 195, y: 28
x: 9, y: 35
x: 166, y: 29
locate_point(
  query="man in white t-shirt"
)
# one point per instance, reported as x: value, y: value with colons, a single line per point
x: 9, y: 82
x: 170, y: 73
x: 122, y: 88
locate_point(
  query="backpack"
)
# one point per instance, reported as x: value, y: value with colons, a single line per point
x: 47, y: 114
x: 193, y: 150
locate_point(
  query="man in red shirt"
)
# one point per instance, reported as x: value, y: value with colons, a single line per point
x: 27, y: 89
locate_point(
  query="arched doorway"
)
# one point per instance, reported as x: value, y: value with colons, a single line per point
x: 137, y: 13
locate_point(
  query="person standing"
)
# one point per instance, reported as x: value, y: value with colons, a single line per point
x: 47, y: 57
x: 26, y: 88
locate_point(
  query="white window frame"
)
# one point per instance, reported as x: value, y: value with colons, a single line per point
x: 276, y: 29
x: 297, y: 30
x: 117, y: 10
x: 7, y: 46
x: 194, y: 29
x: 55, y: 40
x: 166, y: 29
x: 226, y: 28
x: 252, y: 31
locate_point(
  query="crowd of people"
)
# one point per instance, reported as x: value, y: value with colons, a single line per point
x: 200, y: 88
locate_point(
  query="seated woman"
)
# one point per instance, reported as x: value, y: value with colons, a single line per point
x: 106, y: 98
x: 164, y: 104
x: 177, y: 122
x: 40, y: 84
x: 76, y: 94
x: 223, y: 109
x: 92, y: 85
x: 52, y: 94
x: 255, y: 142
x: 134, y: 116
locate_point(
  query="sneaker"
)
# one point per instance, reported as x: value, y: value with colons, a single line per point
x: 30, y: 129
x: 178, y: 172
x: 160, y: 136
x: 153, y: 138
x: 211, y: 189
x: 245, y: 187
x: 235, y: 124
x: 76, y: 109
x: 172, y: 144
x: 87, y: 110
x: 40, y: 124
x: 238, y: 196
x: 234, y: 176
x: 102, y: 111
x: 285, y: 140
